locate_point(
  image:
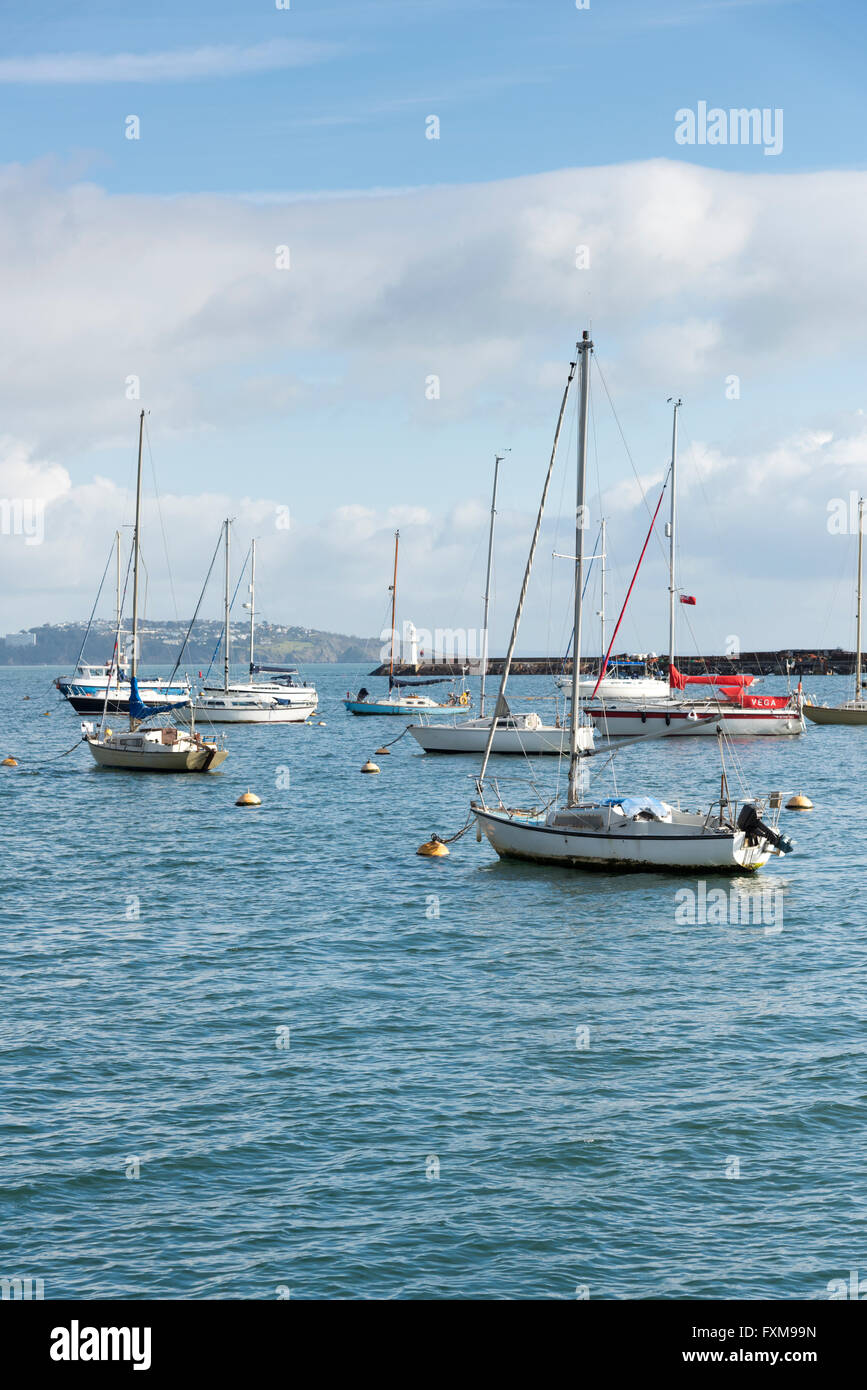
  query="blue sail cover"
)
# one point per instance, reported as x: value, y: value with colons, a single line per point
x: 139, y: 710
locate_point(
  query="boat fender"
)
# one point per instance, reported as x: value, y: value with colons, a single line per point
x: 643, y: 717
x: 668, y: 719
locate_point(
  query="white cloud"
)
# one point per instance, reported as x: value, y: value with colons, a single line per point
x: 178, y: 65
x: 695, y: 275
x: 775, y: 563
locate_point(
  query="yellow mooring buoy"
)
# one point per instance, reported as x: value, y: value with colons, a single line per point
x: 433, y: 848
x: 384, y: 751
x: 799, y: 803
x: 370, y: 766
x: 46, y: 714
x: 9, y: 762
x: 321, y: 724
x: 249, y: 799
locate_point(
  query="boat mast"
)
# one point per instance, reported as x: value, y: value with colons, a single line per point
x: 602, y: 582
x: 585, y: 347
x: 858, y: 607
x: 226, y: 619
x: 393, y: 587
x: 136, y: 546
x: 498, y: 459
x: 672, y: 598
x: 252, y: 599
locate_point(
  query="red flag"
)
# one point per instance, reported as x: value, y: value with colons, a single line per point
x: 687, y: 598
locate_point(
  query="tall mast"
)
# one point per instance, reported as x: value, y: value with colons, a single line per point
x: 859, y: 603
x: 252, y: 598
x: 136, y: 547
x: 226, y: 619
x: 672, y: 595
x: 117, y: 582
x: 393, y: 606
x: 585, y: 347
x: 498, y: 459
x: 602, y: 582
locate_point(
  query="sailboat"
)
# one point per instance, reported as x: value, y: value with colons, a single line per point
x: 625, y: 831
x: 139, y: 749
x: 855, y: 710
x: 733, y: 710
x: 93, y: 688
x: 362, y: 702
x: 283, y: 701
x: 514, y: 733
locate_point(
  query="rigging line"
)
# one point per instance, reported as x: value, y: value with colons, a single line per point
x: 198, y: 606
x: 231, y: 606
x: 631, y: 586
x: 116, y: 652
x: 626, y: 447
x: 501, y: 694
x: 93, y: 609
x: 558, y: 516
x: 162, y: 525
x: 731, y: 574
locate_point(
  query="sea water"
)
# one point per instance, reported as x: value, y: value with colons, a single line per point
x: 273, y: 1053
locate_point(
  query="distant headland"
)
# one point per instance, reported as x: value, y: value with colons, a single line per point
x: 58, y: 644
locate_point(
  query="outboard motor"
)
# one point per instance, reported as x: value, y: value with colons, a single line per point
x: 755, y: 829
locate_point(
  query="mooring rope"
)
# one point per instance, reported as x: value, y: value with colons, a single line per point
x: 43, y: 762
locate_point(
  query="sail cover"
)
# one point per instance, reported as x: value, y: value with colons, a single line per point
x: 139, y: 710
x: 436, y: 680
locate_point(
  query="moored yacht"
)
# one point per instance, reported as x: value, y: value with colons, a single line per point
x: 141, y: 749
x: 92, y: 689
x: 281, y: 701
x: 854, y: 711
x: 513, y: 732
x: 635, y: 831
x: 395, y: 702
x: 732, y: 710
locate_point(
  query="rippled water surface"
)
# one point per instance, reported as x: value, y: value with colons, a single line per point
x: 436, y: 1126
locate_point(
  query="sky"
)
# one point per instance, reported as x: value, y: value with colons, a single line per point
x: 234, y: 216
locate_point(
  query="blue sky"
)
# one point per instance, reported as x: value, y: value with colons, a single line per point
x: 309, y: 126
x: 520, y: 87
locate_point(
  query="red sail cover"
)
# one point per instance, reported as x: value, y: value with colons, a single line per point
x: 678, y: 681
x: 738, y: 697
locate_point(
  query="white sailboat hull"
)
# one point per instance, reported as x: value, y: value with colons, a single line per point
x: 253, y: 703
x: 471, y: 736
x: 685, y: 718
x: 618, y: 687
x: 246, y: 714
x: 638, y: 845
